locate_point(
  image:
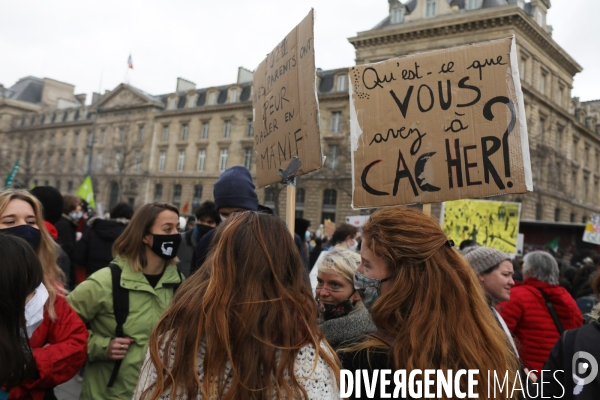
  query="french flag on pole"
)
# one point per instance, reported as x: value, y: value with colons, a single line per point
x: 130, y: 62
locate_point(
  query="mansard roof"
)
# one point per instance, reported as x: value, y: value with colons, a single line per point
x: 28, y: 89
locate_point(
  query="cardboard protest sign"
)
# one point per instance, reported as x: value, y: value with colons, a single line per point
x: 357, y: 220
x: 490, y: 223
x: 286, y: 113
x: 592, y: 230
x: 442, y: 125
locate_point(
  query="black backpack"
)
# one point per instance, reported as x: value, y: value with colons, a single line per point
x: 121, y: 309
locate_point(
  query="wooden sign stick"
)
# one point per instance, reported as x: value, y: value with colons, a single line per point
x: 290, y: 208
x: 427, y: 209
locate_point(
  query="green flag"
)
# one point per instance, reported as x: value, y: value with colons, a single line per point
x: 553, y: 244
x: 86, y: 192
x: 11, y: 177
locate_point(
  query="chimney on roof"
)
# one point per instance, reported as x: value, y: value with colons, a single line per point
x: 81, y: 98
x: 183, y: 85
x: 95, y: 97
x: 244, y: 75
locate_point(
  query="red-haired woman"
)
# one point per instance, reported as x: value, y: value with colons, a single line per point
x: 244, y: 326
x: 426, y: 302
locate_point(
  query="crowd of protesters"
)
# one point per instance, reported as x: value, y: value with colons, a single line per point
x: 228, y: 304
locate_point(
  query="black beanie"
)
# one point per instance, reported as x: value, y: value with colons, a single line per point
x: 235, y: 188
x: 52, y: 202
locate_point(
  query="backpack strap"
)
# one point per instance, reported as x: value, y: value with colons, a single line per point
x: 553, y: 312
x: 121, y: 311
x: 175, y: 286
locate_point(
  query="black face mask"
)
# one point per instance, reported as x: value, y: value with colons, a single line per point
x: 29, y: 233
x: 201, y: 230
x: 166, y: 246
x: 332, y: 311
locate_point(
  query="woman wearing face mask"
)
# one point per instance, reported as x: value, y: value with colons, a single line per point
x: 342, y: 313
x: 145, y: 258
x: 345, y: 237
x: 21, y: 285
x: 59, y: 342
x: 427, y: 304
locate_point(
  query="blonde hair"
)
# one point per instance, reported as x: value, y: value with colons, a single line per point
x: 130, y: 244
x: 343, y: 262
x: 47, y: 249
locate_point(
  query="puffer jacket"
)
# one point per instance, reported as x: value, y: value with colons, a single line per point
x: 529, y: 320
x: 93, y: 301
x: 59, y: 349
x: 94, y: 250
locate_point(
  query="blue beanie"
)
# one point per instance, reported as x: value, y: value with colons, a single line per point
x: 235, y: 188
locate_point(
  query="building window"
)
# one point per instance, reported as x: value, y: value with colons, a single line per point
x: 342, y: 83
x: 248, y: 157
x: 63, y: 142
x: 336, y: 118
x: 212, y: 98
x: 543, y: 77
x: 138, y: 160
x: 227, y: 129
x: 572, y: 217
x: 473, y: 4
x: 397, y: 15
x: 73, y: 160
x: 223, y: 160
x: 90, y: 139
x: 234, y: 95
x: 586, y: 152
x: 161, y: 160
x: 329, y: 205
x: 521, y: 3
x: 181, y: 160
x: 250, y: 128
x: 58, y: 185
x: 557, y: 214
x: 118, y: 161
x: 172, y: 103
x: 102, y: 136
x: 121, y: 135
x: 270, y: 197
x: 585, y: 188
x: 575, y: 145
x: 300, y: 194
x: 197, y: 196
x: 201, y: 159
x: 140, y: 137
x: 177, y: 195
x: 86, y: 160
x: 99, y: 161
x: 522, y: 67
x: 538, y: 211
x: 333, y: 157
x: 69, y: 186
x: 76, y: 139
x: 574, y: 183
x: 165, y: 133
x: 540, y: 18
x: 157, y: 192
x: 561, y: 94
x: 430, y: 8
x: 559, y: 131
x: 184, y: 131
x: 541, y: 130
x: 204, y: 130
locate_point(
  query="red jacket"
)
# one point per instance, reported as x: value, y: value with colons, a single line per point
x: 59, y: 350
x: 528, y: 318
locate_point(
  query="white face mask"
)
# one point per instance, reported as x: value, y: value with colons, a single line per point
x: 34, y: 310
x: 352, y: 246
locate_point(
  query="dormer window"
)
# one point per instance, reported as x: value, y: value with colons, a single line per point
x: 172, y: 103
x: 397, y: 15
x: 342, y: 83
x: 431, y: 8
x: 521, y: 4
x: 234, y: 95
x: 212, y: 98
x: 473, y: 4
x: 191, y: 100
x: 539, y: 17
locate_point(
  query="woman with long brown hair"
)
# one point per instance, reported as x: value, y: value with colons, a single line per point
x: 426, y: 302
x: 244, y: 326
x: 59, y: 343
x: 144, y: 271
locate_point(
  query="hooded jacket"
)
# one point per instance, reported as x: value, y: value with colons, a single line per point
x: 529, y: 320
x: 93, y: 301
x: 59, y: 349
x: 352, y: 326
x: 94, y: 250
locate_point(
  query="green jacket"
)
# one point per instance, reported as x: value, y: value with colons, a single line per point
x: 93, y: 301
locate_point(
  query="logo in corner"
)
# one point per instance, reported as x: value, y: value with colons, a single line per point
x: 581, y: 367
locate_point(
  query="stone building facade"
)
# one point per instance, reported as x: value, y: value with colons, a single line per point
x: 141, y: 147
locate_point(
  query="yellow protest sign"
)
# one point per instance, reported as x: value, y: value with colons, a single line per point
x: 490, y: 223
x: 592, y: 230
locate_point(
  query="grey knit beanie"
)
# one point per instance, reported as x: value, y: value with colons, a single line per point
x: 484, y: 258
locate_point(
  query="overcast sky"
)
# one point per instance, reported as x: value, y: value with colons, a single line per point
x: 87, y: 43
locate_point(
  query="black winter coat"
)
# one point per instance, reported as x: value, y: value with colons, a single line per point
x: 94, y: 250
x: 66, y: 229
